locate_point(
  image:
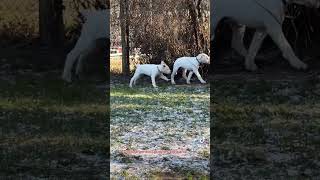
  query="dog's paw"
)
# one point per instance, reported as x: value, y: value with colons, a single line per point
x: 251, y: 67
x: 188, y: 82
x: 299, y: 65
x: 79, y: 77
x: 203, y: 82
x: 67, y: 79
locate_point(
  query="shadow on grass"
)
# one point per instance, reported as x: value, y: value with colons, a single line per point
x: 50, y: 129
x: 265, y: 130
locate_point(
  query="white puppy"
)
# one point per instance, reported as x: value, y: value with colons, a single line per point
x: 189, y: 63
x: 152, y: 70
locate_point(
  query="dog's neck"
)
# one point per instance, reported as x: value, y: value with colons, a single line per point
x: 308, y: 3
x: 292, y: 2
x: 198, y: 60
x: 195, y: 64
x: 159, y: 68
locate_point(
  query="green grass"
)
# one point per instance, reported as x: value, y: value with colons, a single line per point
x: 51, y: 129
x: 265, y: 129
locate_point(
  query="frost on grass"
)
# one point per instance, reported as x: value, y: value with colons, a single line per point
x: 159, y: 131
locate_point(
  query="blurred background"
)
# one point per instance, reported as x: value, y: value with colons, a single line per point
x: 262, y: 123
x: 37, y: 34
x: 50, y: 129
x: 301, y: 28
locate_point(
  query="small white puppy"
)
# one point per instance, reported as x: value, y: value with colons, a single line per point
x: 189, y: 63
x: 152, y: 70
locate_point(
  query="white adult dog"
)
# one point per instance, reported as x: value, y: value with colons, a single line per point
x: 95, y: 27
x: 152, y: 70
x: 192, y: 64
x: 266, y: 16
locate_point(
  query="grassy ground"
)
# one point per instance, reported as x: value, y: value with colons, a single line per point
x: 49, y: 129
x: 169, y: 118
x: 265, y: 129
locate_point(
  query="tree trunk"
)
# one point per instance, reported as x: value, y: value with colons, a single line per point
x: 194, y: 22
x: 51, y: 26
x: 124, y: 21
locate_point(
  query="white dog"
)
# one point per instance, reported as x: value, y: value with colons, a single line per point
x: 189, y: 63
x: 266, y: 17
x: 152, y: 70
x: 94, y: 28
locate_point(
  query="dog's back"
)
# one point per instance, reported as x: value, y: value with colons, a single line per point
x: 185, y: 62
x: 145, y: 69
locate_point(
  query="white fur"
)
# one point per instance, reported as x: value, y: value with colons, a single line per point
x: 152, y: 70
x: 192, y: 64
x: 266, y: 17
x: 95, y: 27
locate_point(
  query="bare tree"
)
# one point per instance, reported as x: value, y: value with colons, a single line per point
x: 161, y: 29
x: 51, y: 26
x: 124, y: 22
x: 194, y: 21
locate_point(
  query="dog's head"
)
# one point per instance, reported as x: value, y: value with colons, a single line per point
x: 164, y: 68
x: 203, y: 58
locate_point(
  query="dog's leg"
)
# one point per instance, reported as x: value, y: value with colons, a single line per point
x: 184, y: 74
x: 278, y: 37
x: 174, y: 71
x: 237, y: 39
x: 253, y: 50
x: 70, y: 60
x: 79, y: 67
x: 153, y: 79
x: 189, y: 77
x: 164, y: 77
x: 72, y: 57
x: 199, y: 76
x: 136, y: 78
x: 84, y: 54
x: 133, y: 79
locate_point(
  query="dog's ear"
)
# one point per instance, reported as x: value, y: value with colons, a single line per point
x: 162, y: 62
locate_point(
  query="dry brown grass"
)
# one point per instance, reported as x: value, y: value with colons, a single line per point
x: 116, y: 65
